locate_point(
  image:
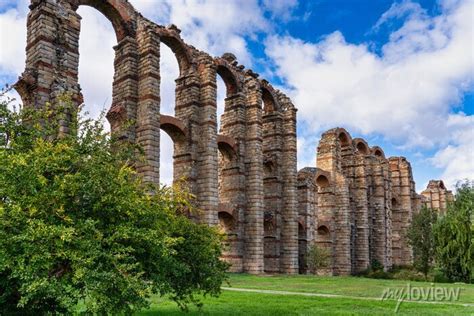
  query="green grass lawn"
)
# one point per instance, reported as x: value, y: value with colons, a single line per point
x: 245, y: 303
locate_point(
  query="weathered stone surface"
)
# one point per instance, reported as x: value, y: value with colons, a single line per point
x: 436, y: 196
x: 357, y: 204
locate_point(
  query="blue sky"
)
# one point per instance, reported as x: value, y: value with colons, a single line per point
x: 397, y: 73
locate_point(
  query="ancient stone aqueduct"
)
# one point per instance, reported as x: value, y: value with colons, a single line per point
x: 357, y: 203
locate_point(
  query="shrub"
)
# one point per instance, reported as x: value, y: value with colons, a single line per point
x: 317, y: 258
x: 77, y: 224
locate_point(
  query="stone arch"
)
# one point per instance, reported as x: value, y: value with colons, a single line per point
x: 378, y: 152
x: 269, y: 98
x: 226, y: 221
x: 361, y: 146
x: 302, y: 247
x: 232, y: 84
x: 227, y: 146
x: 269, y: 224
x: 174, y: 128
x: 268, y: 167
x: 322, y: 181
x: 344, y: 137
x: 119, y: 12
x: 323, y: 236
x: 171, y: 38
x: 323, y: 230
x: 301, y: 231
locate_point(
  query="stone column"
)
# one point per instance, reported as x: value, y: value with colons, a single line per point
x: 289, y: 230
x: 253, y: 260
x: 52, y: 56
x: 401, y: 187
x: 272, y: 183
x: 187, y: 111
x: 362, y: 214
x: 232, y: 177
x: 378, y: 203
x: 124, y: 89
x: 207, y: 159
x: 148, y: 112
x: 307, y: 212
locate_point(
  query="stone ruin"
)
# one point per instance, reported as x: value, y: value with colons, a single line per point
x: 436, y: 196
x: 357, y: 203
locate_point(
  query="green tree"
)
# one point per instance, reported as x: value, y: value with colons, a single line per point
x: 420, y: 237
x: 454, y: 236
x: 78, y: 226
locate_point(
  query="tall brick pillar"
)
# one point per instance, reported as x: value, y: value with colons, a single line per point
x: 148, y: 111
x: 272, y: 178
x: 253, y: 260
x: 124, y: 88
x: 52, y: 54
x: 289, y: 229
x: 232, y: 177
x: 361, y: 213
x: 401, y: 190
x: 186, y: 109
x: 207, y: 158
x: 378, y: 202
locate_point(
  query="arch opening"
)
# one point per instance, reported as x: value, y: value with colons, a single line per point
x: 119, y: 17
x: 301, y: 231
x: 166, y: 158
x: 228, y: 79
x: 322, y: 181
x: 179, y: 50
x: 323, y: 230
x: 96, y: 61
x: 169, y: 73
x: 343, y: 139
x: 226, y: 222
x: 269, y: 103
x: 269, y: 224
x: 362, y: 148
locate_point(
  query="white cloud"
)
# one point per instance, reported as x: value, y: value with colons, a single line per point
x: 281, y: 8
x: 212, y: 25
x: 96, y: 60
x: 457, y: 159
x: 13, y: 41
x: 405, y: 94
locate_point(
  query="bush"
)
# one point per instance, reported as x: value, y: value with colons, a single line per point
x: 438, y: 276
x: 77, y: 224
x: 409, y: 274
x: 317, y: 258
x: 375, y: 265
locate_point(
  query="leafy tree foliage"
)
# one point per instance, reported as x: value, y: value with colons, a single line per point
x: 421, y: 238
x: 77, y: 225
x: 454, y: 236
